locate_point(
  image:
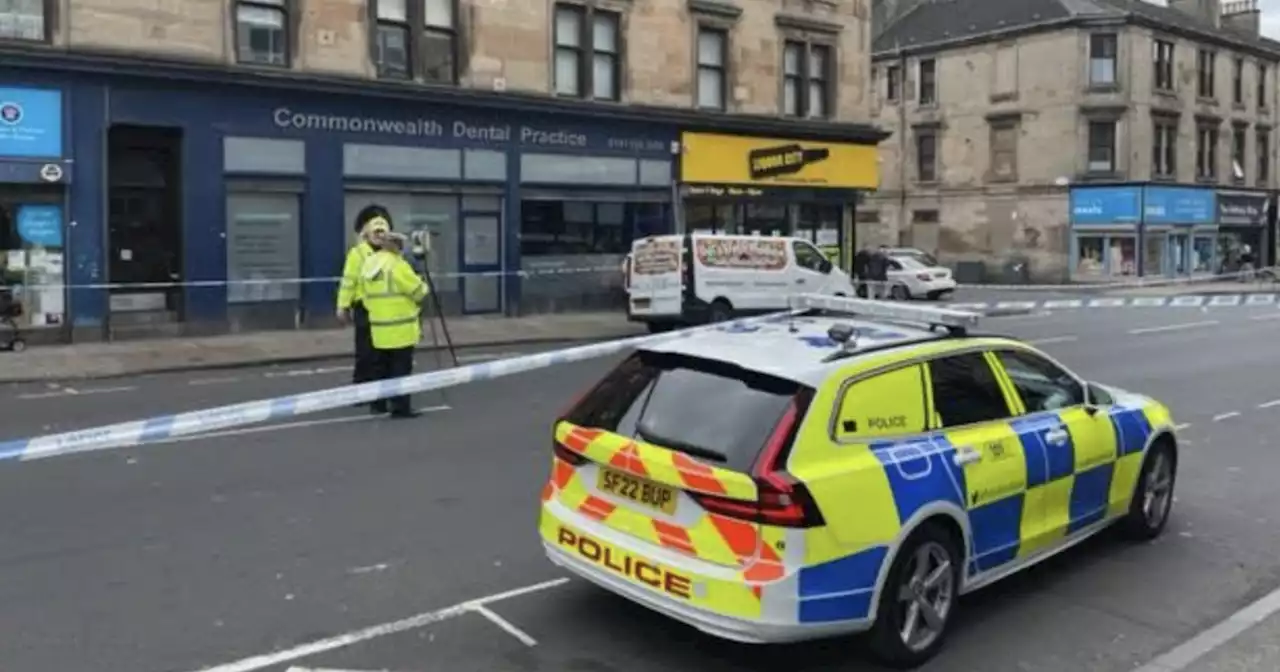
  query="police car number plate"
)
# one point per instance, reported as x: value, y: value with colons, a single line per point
x: 642, y: 492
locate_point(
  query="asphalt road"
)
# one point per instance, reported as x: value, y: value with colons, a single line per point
x: 198, y: 554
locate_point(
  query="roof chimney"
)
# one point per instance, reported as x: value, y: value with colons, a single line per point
x: 1242, y: 16
x: 1204, y: 10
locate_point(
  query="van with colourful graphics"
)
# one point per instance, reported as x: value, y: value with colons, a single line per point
x: 678, y: 280
x: 849, y: 466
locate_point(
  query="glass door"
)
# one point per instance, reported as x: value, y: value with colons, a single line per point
x: 1179, y: 254
x: 1154, y: 255
x: 481, y: 254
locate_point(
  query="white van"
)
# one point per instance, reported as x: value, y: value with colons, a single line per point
x: 679, y: 280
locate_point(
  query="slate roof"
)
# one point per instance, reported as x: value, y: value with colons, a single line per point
x: 939, y: 23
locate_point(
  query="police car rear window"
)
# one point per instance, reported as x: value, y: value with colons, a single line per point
x: 718, y: 412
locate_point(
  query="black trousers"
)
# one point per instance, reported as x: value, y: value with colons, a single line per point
x: 393, y: 364
x: 366, y: 365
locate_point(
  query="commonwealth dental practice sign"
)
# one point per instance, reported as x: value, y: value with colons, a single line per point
x: 426, y: 127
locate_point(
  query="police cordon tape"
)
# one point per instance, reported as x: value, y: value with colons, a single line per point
x: 1270, y: 272
x: 159, y: 428
x: 138, y: 432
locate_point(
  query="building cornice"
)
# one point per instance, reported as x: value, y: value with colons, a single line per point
x: 117, y: 65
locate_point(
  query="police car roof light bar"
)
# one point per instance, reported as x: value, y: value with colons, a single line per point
x: 956, y: 321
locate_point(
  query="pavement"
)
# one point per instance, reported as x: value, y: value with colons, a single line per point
x: 112, y: 359
x: 341, y: 542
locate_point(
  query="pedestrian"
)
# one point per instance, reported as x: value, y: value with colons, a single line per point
x: 393, y: 293
x: 878, y: 272
x: 351, y: 309
x: 860, y: 261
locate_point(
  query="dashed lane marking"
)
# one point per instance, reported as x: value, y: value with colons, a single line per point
x: 1268, y: 316
x: 1181, y: 427
x: 1053, y: 339
x: 1173, y: 327
x: 1224, y: 416
x: 1269, y: 404
x: 73, y: 392
x: 214, y: 381
x: 412, y: 623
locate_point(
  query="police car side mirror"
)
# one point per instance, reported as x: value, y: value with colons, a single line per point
x: 1095, y: 398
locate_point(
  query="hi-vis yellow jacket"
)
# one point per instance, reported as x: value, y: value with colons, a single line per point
x: 392, y: 293
x: 349, y: 290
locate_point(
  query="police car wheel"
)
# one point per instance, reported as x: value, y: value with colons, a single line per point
x: 917, y: 600
x: 1153, y: 497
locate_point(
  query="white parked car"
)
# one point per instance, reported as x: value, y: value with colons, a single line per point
x: 915, y: 274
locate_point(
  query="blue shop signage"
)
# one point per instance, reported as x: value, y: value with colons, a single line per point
x: 30, y: 122
x: 1105, y: 205
x: 1180, y: 205
x: 40, y: 225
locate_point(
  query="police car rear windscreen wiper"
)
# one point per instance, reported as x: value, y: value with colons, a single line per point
x: 644, y: 433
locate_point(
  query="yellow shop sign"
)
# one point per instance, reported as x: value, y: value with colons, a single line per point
x: 708, y: 158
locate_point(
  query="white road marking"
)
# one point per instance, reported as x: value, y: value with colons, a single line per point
x: 72, y: 392
x: 462, y: 359
x: 1173, y: 327
x: 327, y: 669
x: 1182, y: 656
x: 283, y: 425
x: 505, y: 625
x: 214, y: 381
x: 412, y: 623
x: 1180, y: 427
x: 1223, y: 416
x: 1269, y: 404
x: 1053, y: 339
x: 1268, y: 316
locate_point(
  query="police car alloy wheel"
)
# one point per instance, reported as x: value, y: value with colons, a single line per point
x: 1153, y: 498
x: 917, y: 599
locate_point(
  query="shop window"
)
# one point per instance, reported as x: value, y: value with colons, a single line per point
x: 1163, y: 57
x: 1237, y: 81
x: 262, y: 36
x: 926, y: 155
x: 712, y: 57
x: 1164, y: 158
x: 31, y: 252
x: 1204, y: 255
x: 711, y: 218
x: 262, y: 245
x: 1091, y: 256
x: 1205, y: 63
x: 25, y: 20
x: 391, y: 47
x: 807, y: 76
x: 1102, y: 59
x: 1102, y: 146
x: 587, y: 52
x: 765, y: 219
x: 1105, y: 255
x: 1263, y: 143
x: 555, y: 228
x: 1206, y: 153
x: 820, y: 224
x: 928, y: 81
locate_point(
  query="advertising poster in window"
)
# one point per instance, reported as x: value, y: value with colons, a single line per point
x: 262, y: 247
x: 756, y: 254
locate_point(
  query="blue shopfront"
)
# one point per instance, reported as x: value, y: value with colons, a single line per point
x: 1142, y: 230
x: 230, y: 194
x: 35, y: 172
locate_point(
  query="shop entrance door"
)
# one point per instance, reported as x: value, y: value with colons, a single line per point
x: 1154, y: 262
x: 144, y: 224
x: 481, y: 254
x: 1179, y: 254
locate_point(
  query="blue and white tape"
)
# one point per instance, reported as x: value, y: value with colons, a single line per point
x: 1184, y: 301
x: 138, y: 432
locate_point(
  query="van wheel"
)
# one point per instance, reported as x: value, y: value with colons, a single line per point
x: 917, y: 599
x: 721, y: 311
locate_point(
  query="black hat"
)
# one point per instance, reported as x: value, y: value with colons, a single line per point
x: 370, y: 213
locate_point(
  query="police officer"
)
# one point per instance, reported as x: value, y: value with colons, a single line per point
x: 393, y: 294
x: 350, y: 304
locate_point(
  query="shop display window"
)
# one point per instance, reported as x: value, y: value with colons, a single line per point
x: 32, y: 268
x: 1101, y: 256
x: 1204, y: 255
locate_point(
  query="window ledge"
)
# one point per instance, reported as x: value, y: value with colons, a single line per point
x: 1167, y: 93
x: 1164, y: 178
x: 1206, y: 100
x: 1101, y: 176
x: 795, y: 22
x: 1112, y: 87
x: 714, y: 8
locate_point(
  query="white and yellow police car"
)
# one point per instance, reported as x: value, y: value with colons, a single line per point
x: 850, y: 466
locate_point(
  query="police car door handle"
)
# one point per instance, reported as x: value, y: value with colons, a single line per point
x: 966, y: 455
x: 1057, y: 436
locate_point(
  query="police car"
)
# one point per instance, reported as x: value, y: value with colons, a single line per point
x: 849, y: 466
